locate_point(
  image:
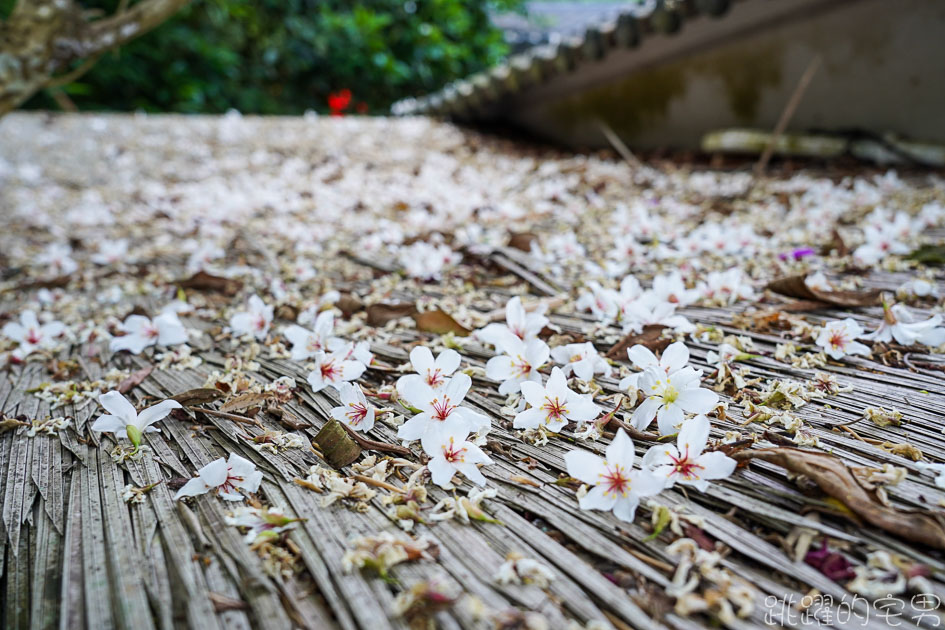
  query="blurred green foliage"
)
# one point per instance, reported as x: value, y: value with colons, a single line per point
x: 287, y: 56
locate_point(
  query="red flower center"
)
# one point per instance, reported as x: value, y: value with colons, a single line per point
x: 555, y: 409
x: 453, y: 453
x: 686, y: 467
x: 616, y: 481
x: 434, y: 378
x: 442, y: 408
x: 357, y: 414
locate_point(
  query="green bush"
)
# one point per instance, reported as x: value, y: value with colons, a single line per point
x: 287, y: 56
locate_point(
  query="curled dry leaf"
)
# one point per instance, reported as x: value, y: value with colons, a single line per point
x: 135, y: 379
x: 650, y: 337
x: 837, y: 480
x: 349, y: 304
x: 244, y: 401
x: 203, y: 281
x: 796, y: 287
x: 522, y: 241
x: 200, y: 396
x: 381, y: 313
x: 439, y: 323
x: 58, y: 282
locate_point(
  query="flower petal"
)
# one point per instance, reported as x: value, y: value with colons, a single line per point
x: 117, y: 405
x: 626, y: 507
x: 421, y: 359
x: 642, y: 357
x: 644, y: 414
x: 447, y: 361
x: 675, y: 357
x: 669, y: 418
x: 597, y: 499
x: 693, y: 435
x: 441, y: 471
x: 585, y: 466
x: 157, y: 412
x: 620, y: 450
x: 697, y: 400
x: 110, y: 424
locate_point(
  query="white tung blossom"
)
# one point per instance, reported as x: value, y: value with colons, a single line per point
x: 685, y: 462
x: 669, y: 398
x: 837, y: 338
x: 224, y: 477
x: 440, y: 408
x: 254, y: 321
x: 140, y: 332
x: 125, y: 422
x: 355, y: 410
x: 616, y: 485
x: 581, y: 359
x: 521, y: 362
x: 554, y: 404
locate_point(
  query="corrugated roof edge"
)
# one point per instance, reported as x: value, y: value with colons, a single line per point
x: 468, y: 97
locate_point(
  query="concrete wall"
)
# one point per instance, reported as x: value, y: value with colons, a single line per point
x: 883, y: 70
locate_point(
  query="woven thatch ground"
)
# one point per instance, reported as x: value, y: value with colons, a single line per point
x: 271, y: 193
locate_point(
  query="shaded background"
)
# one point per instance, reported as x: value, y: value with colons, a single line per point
x: 288, y: 56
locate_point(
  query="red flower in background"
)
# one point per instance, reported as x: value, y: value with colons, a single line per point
x: 339, y: 101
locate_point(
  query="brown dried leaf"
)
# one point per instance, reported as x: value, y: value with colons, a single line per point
x: 134, y: 379
x: 522, y: 241
x: 380, y: 313
x: 796, y: 287
x: 223, y: 603
x: 200, y: 396
x: 50, y: 283
x: 349, y: 305
x: 243, y: 402
x: 650, y: 337
x: 837, y: 480
x: 203, y: 281
x: 439, y: 323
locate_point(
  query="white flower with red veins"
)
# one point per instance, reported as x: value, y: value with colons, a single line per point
x: 837, y: 338
x: 640, y: 314
x: 726, y: 287
x: 554, y: 404
x: 602, y: 303
x: 440, y: 408
x: 900, y: 324
x: 111, y: 252
x: 669, y: 398
x: 311, y: 312
x: 224, y: 477
x: 58, y: 258
x: 204, y: 254
x: 881, y: 241
x: 616, y: 485
x: 685, y: 462
x: 671, y: 288
x: 433, y: 372
x: 520, y: 363
x: 674, y: 358
x: 331, y: 370
x: 140, y: 332
x: 305, y: 342
x: 253, y: 322
x: 32, y: 335
x: 581, y: 359
x: 355, y: 410
x: 450, y: 453
x: 519, y: 323
x: 125, y: 422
